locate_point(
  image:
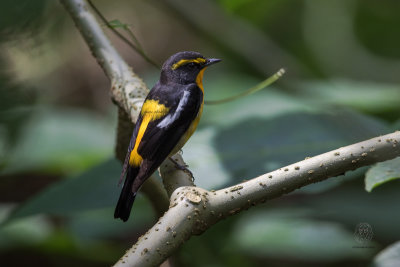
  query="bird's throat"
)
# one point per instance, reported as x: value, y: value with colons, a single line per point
x: 199, y: 80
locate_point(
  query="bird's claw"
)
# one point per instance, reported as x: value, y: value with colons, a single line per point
x: 182, y: 167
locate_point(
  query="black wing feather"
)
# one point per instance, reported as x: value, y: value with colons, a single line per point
x: 130, y: 148
x: 162, y: 135
x: 159, y: 139
x: 158, y: 142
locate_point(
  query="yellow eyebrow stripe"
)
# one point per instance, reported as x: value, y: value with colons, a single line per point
x: 182, y: 62
x: 151, y: 111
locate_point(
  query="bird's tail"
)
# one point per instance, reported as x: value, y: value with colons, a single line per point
x: 125, y: 202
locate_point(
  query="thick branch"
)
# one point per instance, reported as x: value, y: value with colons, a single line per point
x: 193, y: 210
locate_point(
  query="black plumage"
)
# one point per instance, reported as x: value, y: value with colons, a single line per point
x: 168, y: 118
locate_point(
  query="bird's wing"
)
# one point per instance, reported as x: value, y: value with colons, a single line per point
x: 130, y: 148
x: 161, y: 136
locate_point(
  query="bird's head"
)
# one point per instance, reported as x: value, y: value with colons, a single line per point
x: 185, y: 67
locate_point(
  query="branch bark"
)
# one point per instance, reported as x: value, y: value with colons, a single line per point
x: 127, y: 89
x: 193, y: 210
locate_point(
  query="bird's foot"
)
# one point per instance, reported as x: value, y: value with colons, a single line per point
x: 182, y: 167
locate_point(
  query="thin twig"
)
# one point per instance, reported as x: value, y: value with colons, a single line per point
x: 139, y: 50
x: 252, y: 90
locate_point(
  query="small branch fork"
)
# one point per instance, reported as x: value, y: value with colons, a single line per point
x: 193, y: 210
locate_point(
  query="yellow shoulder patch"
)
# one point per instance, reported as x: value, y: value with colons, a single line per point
x: 182, y: 62
x: 151, y: 110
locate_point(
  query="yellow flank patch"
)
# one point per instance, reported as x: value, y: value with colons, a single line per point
x: 189, y: 132
x: 199, y: 80
x: 182, y: 62
x: 193, y: 125
x: 151, y: 111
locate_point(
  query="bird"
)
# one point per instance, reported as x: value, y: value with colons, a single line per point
x: 168, y: 118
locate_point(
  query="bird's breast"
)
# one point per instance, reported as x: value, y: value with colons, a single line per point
x: 189, y: 132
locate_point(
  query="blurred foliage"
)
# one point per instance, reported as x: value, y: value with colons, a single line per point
x: 286, y: 234
x: 21, y: 15
x: 60, y: 141
x: 58, y: 178
x: 277, y: 129
x: 381, y: 173
x: 389, y: 257
x: 372, y: 20
x: 57, y: 199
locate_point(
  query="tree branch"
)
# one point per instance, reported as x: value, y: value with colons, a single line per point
x: 127, y: 90
x: 193, y: 210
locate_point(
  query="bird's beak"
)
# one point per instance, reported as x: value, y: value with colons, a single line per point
x: 211, y: 61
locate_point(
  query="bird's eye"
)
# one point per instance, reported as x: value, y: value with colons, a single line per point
x: 191, y: 65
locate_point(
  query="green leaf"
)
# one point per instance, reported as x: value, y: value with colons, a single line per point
x: 366, y: 96
x: 61, y: 140
x: 26, y: 15
x: 94, y: 189
x: 288, y: 234
x: 396, y: 125
x: 389, y: 257
x: 100, y: 223
x: 204, y: 161
x: 268, y: 103
x: 116, y: 23
x: 381, y: 173
x: 351, y: 205
x: 29, y: 231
